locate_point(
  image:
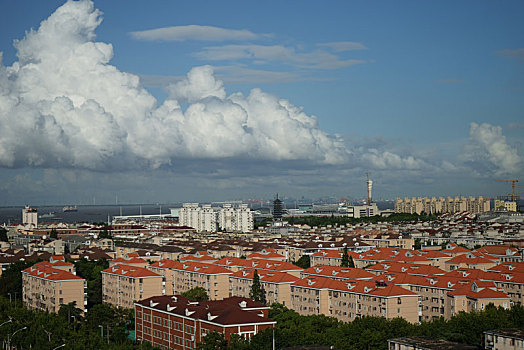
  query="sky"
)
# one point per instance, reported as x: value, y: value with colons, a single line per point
x: 170, y: 101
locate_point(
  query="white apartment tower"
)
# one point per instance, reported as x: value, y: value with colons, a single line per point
x: 206, y: 218
x: 30, y: 217
x: 202, y: 219
x: 235, y: 219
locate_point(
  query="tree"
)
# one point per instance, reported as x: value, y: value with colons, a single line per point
x: 345, y: 258
x: 3, y: 235
x: 213, y: 341
x: 256, y: 293
x: 196, y: 294
x: 351, y: 262
x: 104, y: 234
x: 53, y: 234
x: 418, y: 244
x: 304, y: 262
x: 70, y: 311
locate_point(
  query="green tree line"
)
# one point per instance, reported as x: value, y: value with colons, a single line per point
x: 368, y: 332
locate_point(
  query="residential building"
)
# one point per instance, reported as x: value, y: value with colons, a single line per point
x: 441, y: 205
x: 235, y: 219
x: 504, y: 339
x: 424, y: 343
x: 174, y: 322
x: 202, y: 219
x: 30, y: 217
x: 347, y: 300
x: 122, y: 285
x: 276, y: 286
x: 46, y: 288
x: 180, y: 277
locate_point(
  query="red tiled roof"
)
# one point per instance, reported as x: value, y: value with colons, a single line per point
x: 266, y: 276
x: 49, y: 273
x: 338, y: 272
x: 228, y: 312
x: 130, y: 271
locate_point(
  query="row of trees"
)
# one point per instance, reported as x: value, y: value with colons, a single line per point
x: 368, y: 332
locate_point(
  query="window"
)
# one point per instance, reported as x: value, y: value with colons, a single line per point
x: 399, y: 300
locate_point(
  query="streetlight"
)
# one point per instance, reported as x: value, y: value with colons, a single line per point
x: 101, y: 331
x: 59, y: 346
x: 9, y: 338
x: 10, y: 320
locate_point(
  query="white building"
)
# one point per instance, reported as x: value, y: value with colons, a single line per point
x: 30, y: 217
x: 362, y: 211
x: 209, y: 219
x: 202, y: 219
x: 235, y: 219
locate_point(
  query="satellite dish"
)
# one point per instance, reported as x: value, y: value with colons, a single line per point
x: 141, y: 235
x: 95, y: 236
x: 44, y: 237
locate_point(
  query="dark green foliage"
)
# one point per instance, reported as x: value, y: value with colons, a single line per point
x: 53, y: 234
x: 304, y: 262
x: 90, y: 271
x: 256, y: 293
x: 11, y: 279
x: 47, y: 330
x: 3, y: 235
x: 368, y: 332
x: 213, y: 341
x: 196, y: 294
x: 418, y: 244
x: 345, y: 258
x: 104, y: 234
x: 341, y: 220
x: 351, y: 262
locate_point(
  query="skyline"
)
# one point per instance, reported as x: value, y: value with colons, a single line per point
x: 174, y: 102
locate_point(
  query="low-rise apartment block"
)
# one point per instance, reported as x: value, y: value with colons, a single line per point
x: 46, y: 288
x: 122, y: 285
x: 174, y: 322
x: 276, y: 286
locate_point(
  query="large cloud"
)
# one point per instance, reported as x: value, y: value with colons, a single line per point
x: 489, y: 152
x: 62, y: 104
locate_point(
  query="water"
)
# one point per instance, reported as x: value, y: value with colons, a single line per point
x: 85, y: 213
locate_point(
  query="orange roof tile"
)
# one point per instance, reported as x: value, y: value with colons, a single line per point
x: 130, y: 271
x: 49, y: 273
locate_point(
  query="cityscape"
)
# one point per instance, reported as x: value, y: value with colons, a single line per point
x: 274, y: 175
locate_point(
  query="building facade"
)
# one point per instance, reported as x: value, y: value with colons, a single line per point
x: 417, y: 205
x: 174, y: 322
x: 122, y: 285
x: 46, y: 288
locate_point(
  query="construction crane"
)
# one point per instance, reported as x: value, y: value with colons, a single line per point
x: 512, y: 187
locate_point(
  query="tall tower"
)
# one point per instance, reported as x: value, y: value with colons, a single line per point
x: 30, y: 216
x: 369, y: 184
x: 277, y: 209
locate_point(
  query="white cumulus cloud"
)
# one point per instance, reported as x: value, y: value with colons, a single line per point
x: 63, y: 105
x: 488, y: 150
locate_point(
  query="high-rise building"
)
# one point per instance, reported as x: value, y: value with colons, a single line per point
x: 30, y: 216
x: 202, y: 219
x: 235, y: 219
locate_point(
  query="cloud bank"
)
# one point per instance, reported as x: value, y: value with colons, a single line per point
x: 63, y: 105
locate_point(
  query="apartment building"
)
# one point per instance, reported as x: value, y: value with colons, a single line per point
x: 174, y: 322
x: 475, y: 297
x: 470, y: 261
x: 179, y: 277
x: 504, y: 339
x: 441, y: 205
x: 347, y: 300
x: 236, y: 219
x: 202, y: 219
x: 424, y: 343
x: 276, y: 286
x: 122, y: 285
x: 46, y: 288
x: 137, y: 262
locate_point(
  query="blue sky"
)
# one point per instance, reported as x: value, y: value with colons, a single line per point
x: 425, y: 95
